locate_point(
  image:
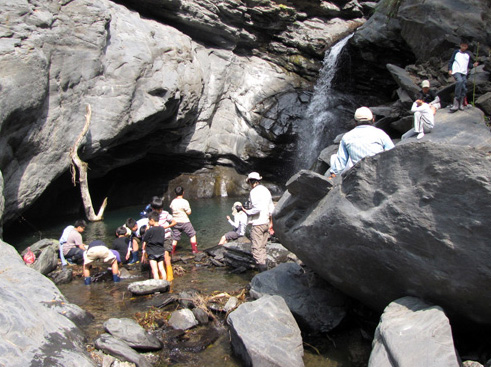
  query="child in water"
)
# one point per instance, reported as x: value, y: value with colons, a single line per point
x: 239, y: 223
x: 156, y: 246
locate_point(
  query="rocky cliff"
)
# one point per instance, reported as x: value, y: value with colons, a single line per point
x: 204, y: 84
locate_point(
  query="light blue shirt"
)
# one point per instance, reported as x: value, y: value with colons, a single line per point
x: 363, y: 141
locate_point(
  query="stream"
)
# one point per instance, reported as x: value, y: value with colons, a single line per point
x: 105, y: 300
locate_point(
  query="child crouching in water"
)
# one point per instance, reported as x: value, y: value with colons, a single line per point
x: 156, y: 246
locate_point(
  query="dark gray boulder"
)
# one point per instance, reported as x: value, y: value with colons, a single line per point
x: 237, y: 254
x: 39, y: 325
x: 413, y: 333
x: 149, y: 286
x: 62, y: 276
x: 132, y: 333
x: 253, y: 327
x: 409, y: 221
x: 47, y: 261
x: 316, y: 305
x: 119, y: 349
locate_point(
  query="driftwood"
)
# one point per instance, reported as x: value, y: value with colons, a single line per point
x: 82, y: 172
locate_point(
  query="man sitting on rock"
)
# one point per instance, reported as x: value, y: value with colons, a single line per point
x: 363, y: 141
x: 73, y: 246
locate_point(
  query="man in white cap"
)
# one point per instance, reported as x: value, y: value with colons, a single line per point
x: 260, y: 213
x: 363, y: 141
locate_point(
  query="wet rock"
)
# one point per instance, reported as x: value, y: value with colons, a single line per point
x: 163, y: 299
x: 149, y: 286
x: 199, y: 339
x: 413, y: 333
x: 231, y: 304
x: 62, y: 276
x: 315, y: 304
x: 237, y: 254
x: 132, y: 333
x: 201, y: 315
x: 47, y: 261
x: 124, y: 273
x: 253, y: 325
x: 183, y: 319
x: 37, y: 321
x: 119, y: 349
x: 186, y: 298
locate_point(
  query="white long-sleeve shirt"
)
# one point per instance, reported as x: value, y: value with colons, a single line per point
x: 239, y: 223
x: 262, y: 205
x: 426, y: 113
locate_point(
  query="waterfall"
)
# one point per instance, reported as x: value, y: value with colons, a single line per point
x: 318, y: 127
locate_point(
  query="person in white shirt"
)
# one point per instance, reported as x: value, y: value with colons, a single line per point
x: 363, y: 141
x: 457, y: 66
x: 260, y: 216
x: 239, y: 223
x: 424, y: 119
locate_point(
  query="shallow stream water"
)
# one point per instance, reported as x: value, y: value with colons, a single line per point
x: 105, y: 300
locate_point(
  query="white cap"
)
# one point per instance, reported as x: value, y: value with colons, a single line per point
x: 363, y: 114
x: 425, y: 84
x: 254, y: 176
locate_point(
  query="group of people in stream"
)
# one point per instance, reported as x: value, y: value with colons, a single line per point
x: 366, y: 140
x: 155, y: 236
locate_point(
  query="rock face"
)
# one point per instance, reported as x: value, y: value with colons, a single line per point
x: 38, y: 324
x: 156, y: 94
x: 408, y: 31
x: 413, y: 333
x: 410, y: 221
x: 253, y: 325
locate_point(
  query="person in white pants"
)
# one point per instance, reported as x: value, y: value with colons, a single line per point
x: 424, y: 119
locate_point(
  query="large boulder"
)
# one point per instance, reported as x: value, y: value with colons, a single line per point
x: 413, y: 333
x: 316, y: 305
x: 409, y: 221
x: 38, y: 324
x: 253, y: 327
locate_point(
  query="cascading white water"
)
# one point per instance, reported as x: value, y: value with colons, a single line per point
x: 321, y: 113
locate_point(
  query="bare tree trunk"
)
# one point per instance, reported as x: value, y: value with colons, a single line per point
x: 82, y: 172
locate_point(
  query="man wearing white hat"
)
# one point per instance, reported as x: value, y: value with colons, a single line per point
x: 260, y: 214
x: 363, y: 141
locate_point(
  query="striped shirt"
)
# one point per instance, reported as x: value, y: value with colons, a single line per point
x: 363, y: 141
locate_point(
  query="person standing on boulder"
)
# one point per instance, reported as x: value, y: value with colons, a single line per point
x: 260, y: 213
x: 363, y: 141
x: 458, y: 67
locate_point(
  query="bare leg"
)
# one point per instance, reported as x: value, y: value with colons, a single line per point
x: 161, y: 268
x: 155, y: 269
x: 222, y: 240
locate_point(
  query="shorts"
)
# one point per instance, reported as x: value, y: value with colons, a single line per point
x: 158, y: 258
x: 231, y: 236
x: 168, y: 245
x: 186, y: 227
x: 99, y: 253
